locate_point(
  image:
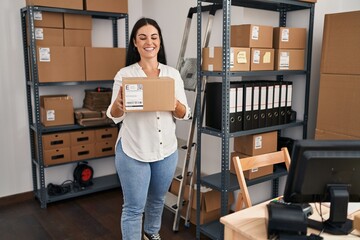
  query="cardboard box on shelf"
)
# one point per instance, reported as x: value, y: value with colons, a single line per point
x: 239, y: 59
x: 82, y: 137
x: 262, y: 59
x: 77, y: 38
x: 56, y: 156
x: 251, y: 35
x: 48, y: 19
x: 253, y: 173
x: 77, y: 21
x: 338, y: 102
x: 82, y: 152
x: 60, y: 64
x: 48, y: 37
x: 289, y: 59
x: 73, y: 4
x: 256, y: 144
x: 56, y: 110
x: 210, y: 205
x: 143, y: 94
x: 103, y: 63
x: 115, y: 6
x: 289, y: 38
x: 340, y: 48
x: 56, y: 140
x: 104, y: 148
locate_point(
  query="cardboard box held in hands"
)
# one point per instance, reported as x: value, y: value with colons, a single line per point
x: 144, y: 94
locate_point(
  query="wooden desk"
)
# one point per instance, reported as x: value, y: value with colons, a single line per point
x: 250, y: 223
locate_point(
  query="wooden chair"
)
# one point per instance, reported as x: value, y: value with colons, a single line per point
x: 244, y: 164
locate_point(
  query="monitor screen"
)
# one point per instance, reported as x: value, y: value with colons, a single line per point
x: 325, y: 171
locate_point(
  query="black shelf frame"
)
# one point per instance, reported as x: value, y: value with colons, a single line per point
x: 36, y: 129
x: 224, y: 181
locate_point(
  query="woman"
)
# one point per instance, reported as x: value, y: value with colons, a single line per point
x: 146, y: 149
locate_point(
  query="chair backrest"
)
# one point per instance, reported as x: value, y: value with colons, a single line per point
x: 248, y: 163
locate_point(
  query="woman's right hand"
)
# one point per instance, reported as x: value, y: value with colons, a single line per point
x: 117, y: 109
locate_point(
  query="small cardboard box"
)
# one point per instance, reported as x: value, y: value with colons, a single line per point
x: 106, y: 134
x: 289, y: 38
x: 262, y: 59
x: 73, y: 4
x: 103, y: 63
x: 77, y: 38
x: 142, y: 94
x: 115, y: 6
x: 55, y: 141
x: 250, y: 35
x: 256, y: 144
x: 289, y: 59
x: 48, y: 19
x: 253, y: 173
x: 104, y: 148
x: 77, y: 21
x: 56, y: 156
x: 61, y: 64
x: 81, y: 152
x: 56, y: 110
x: 82, y: 137
x: 239, y: 59
x: 48, y: 37
x: 210, y: 205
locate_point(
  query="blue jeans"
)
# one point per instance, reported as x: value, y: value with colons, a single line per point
x: 144, y: 187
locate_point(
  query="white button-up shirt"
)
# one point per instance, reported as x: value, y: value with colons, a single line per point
x: 148, y: 136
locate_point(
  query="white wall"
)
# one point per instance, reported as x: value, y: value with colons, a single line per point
x: 15, y: 164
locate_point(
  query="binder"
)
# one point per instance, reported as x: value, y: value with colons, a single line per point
x: 239, y: 114
x: 256, y: 105
x: 262, y: 104
x: 289, y: 102
x: 269, y: 104
x: 248, y: 105
x: 213, y: 114
x: 276, y: 104
x: 283, y: 95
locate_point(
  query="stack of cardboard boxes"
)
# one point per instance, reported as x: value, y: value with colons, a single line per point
x: 71, y: 146
x: 260, y: 47
x: 339, y: 99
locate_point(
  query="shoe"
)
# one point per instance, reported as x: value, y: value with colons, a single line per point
x: 152, y: 236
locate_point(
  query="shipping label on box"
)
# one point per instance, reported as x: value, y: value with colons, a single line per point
x: 148, y: 94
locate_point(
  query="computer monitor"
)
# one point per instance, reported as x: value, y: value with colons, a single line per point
x: 325, y: 171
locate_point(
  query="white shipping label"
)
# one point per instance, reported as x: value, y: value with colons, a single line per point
x: 134, y: 97
x: 284, y: 60
x: 37, y: 15
x: 255, y: 33
x: 211, y: 52
x: 258, y: 142
x: 254, y: 170
x: 211, y: 67
x: 44, y: 54
x: 39, y: 34
x: 285, y: 35
x: 256, y: 57
x: 50, y: 115
x: 241, y: 57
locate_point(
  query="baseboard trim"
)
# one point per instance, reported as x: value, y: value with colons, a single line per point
x: 17, y: 198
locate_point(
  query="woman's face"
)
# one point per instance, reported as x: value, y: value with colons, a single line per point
x: 147, y: 41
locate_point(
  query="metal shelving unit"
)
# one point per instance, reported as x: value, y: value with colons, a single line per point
x: 224, y: 181
x: 36, y: 129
